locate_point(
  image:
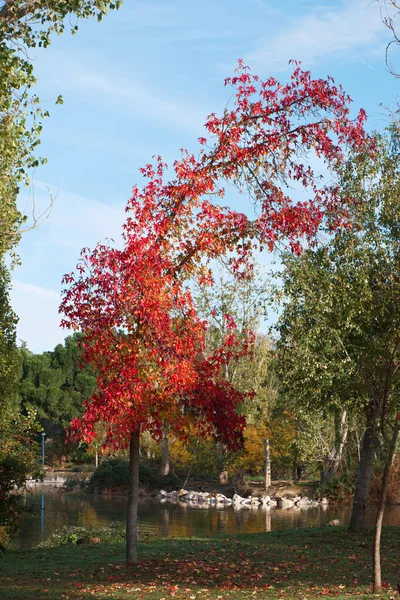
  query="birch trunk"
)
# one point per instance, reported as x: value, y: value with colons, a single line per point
x: 336, y: 453
x: 377, y: 587
x: 164, y: 469
x: 267, y: 466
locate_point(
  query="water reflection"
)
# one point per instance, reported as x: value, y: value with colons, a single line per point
x: 268, y: 520
x: 50, y: 511
x: 42, y: 518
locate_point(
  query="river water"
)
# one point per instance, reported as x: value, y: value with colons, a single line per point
x: 52, y: 510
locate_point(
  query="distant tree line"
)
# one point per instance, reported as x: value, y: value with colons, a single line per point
x: 53, y: 382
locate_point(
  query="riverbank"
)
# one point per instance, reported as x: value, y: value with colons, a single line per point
x: 293, y: 564
x: 115, y: 483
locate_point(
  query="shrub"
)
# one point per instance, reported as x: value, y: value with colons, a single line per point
x: 393, y: 493
x: 73, y: 483
x: 338, y: 488
x: 67, y: 536
x: 113, y: 475
x: 114, y: 533
x: 83, y: 469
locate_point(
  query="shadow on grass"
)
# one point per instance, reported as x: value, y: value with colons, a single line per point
x: 297, y: 563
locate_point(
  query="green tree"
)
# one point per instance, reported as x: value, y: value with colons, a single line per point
x: 19, y: 460
x: 53, y: 385
x: 340, y: 342
x: 9, y: 356
x: 18, y: 457
x: 243, y: 301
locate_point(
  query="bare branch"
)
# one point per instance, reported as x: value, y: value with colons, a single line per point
x: 388, y: 9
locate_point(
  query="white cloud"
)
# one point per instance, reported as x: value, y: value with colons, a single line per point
x: 74, y: 221
x: 340, y: 32
x: 34, y: 290
x: 39, y: 321
x: 51, y: 250
x: 141, y: 100
x: 118, y: 92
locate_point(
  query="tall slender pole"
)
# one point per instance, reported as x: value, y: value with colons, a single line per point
x: 42, y: 517
x: 267, y: 466
x: 43, y: 434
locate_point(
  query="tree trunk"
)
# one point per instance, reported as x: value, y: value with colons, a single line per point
x: 133, y: 496
x: 164, y: 469
x: 336, y: 454
x: 297, y: 467
x: 223, y: 478
x: 267, y: 466
x: 377, y: 587
x: 364, y: 473
x: 220, y: 457
x: 63, y: 458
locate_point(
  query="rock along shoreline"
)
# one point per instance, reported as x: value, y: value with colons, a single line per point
x: 208, y: 499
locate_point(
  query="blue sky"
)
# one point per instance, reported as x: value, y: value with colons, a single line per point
x: 142, y: 83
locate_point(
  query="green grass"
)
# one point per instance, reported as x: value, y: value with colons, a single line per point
x: 293, y: 564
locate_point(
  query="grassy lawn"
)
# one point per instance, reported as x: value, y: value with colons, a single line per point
x: 298, y: 563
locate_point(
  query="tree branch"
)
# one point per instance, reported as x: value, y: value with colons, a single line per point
x: 8, y: 11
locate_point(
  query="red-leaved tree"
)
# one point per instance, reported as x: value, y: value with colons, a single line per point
x: 133, y: 305
x: 143, y: 334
